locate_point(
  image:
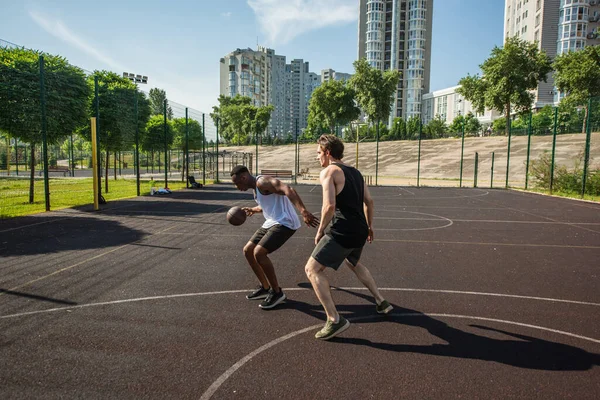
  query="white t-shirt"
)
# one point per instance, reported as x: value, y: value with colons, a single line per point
x: 277, y: 209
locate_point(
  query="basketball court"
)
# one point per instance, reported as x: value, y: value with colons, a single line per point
x: 496, y: 295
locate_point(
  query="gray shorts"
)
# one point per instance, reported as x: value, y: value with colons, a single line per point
x: 272, y: 238
x: 331, y: 254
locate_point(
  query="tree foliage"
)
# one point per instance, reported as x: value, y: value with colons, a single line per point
x: 194, y: 134
x: 509, y: 75
x: 578, y: 75
x: 66, y: 93
x: 374, y: 89
x: 332, y: 104
x: 157, y: 103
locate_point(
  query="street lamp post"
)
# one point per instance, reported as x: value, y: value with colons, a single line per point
x: 136, y: 79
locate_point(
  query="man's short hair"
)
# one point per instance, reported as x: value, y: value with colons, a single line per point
x: 333, y: 144
x: 239, y: 169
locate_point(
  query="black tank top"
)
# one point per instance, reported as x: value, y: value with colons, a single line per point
x: 349, y: 226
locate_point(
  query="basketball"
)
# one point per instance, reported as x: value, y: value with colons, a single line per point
x: 236, y: 216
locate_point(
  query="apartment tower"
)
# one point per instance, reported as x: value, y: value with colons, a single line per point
x: 396, y: 34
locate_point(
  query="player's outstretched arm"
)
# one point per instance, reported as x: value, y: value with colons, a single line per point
x: 369, y: 212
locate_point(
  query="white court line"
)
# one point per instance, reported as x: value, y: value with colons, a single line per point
x: 436, y: 198
x: 401, y: 188
x: 174, y: 296
x: 227, y: 374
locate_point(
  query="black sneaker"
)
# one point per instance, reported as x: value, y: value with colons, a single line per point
x: 258, y: 294
x: 272, y: 299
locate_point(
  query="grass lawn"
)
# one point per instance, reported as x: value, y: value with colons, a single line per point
x: 66, y: 192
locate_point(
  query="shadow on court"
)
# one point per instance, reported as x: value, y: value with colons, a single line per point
x: 520, y: 350
x: 51, y: 235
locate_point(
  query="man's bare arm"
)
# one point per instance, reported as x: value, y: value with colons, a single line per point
x: 273, y: 185
x: 328, y: 207
x: 369, y: 205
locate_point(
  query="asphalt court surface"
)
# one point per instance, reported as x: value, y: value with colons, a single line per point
x: 496, y: 295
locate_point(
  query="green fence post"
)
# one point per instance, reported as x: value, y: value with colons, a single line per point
x: 462, y: 152
x: 553, y: 149
x: 137, y: 144
x: 44, y: 133
x: 492, y: 174
x: 17, y: 153
x: 256, y: 156
x: 588, y: 135
x: 419, y: 157
x: 165, y: 133
x: 476, y: 168
x: 203, y: 150
x: 217, y: 147
x: 508, y: 150
x: 295, y: 156
x: 528, y: 151
x: 186, y: 166
x: 98, y: 155
x: 377, y: 155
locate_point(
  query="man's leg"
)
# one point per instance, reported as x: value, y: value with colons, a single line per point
x: 364, y: 275
x: 316, y: 274
x: 256, y: 268
x: 261, y: 256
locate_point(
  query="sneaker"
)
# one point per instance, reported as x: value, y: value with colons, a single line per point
x: 272, y: 299
x: 384, y: 307
x: 331, y: 329
x: 258, y: 294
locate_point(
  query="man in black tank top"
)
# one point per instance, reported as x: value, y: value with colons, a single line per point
x: 346, y: 198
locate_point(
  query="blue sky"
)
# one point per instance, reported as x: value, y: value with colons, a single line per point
x: 178, y: 43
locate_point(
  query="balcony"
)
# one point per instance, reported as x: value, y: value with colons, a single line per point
x: 594, y: 18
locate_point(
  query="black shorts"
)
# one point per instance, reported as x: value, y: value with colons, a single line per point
x: 330, y: 253
x: 272, y: 238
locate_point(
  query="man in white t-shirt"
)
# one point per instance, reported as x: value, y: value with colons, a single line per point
x: 276, y: 201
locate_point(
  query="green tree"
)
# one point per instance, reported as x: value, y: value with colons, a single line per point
x: 436, y: 128
x: 332, y: 104
x: 258, y: 120
x: 154, y: 139
x: 20, y: 104
x: 157, y: 103
x: 230, y: 116
x: 117, y: 117
x: 374, y: 90
x: 399, y: 129
x: 412, y: 128
x: 509, y: 75
x: 194, y: 135
x: 543, y: 121
x: 578, y: 75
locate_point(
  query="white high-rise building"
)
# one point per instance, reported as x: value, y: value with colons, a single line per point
x: 557, y: 26
x: 268, y: 80
x: 396, y: 34
x: 330, y: 74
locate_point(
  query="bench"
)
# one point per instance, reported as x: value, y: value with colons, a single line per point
x: 57, y: 168
x: 278, y: 173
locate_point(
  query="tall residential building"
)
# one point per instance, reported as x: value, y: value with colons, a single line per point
x: 557, y: 26
x: 265, y: 77
x: 396, y: 34
x: 535, y: 21
x: 300, y: 85
x: 329, y: 74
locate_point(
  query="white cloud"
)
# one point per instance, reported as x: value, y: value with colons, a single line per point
x: 226, y: 14
x: 58, y: 29
x: 282, y: 21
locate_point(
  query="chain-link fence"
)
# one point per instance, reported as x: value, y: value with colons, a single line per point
x: 555, y: 149
x: 143, y: 140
